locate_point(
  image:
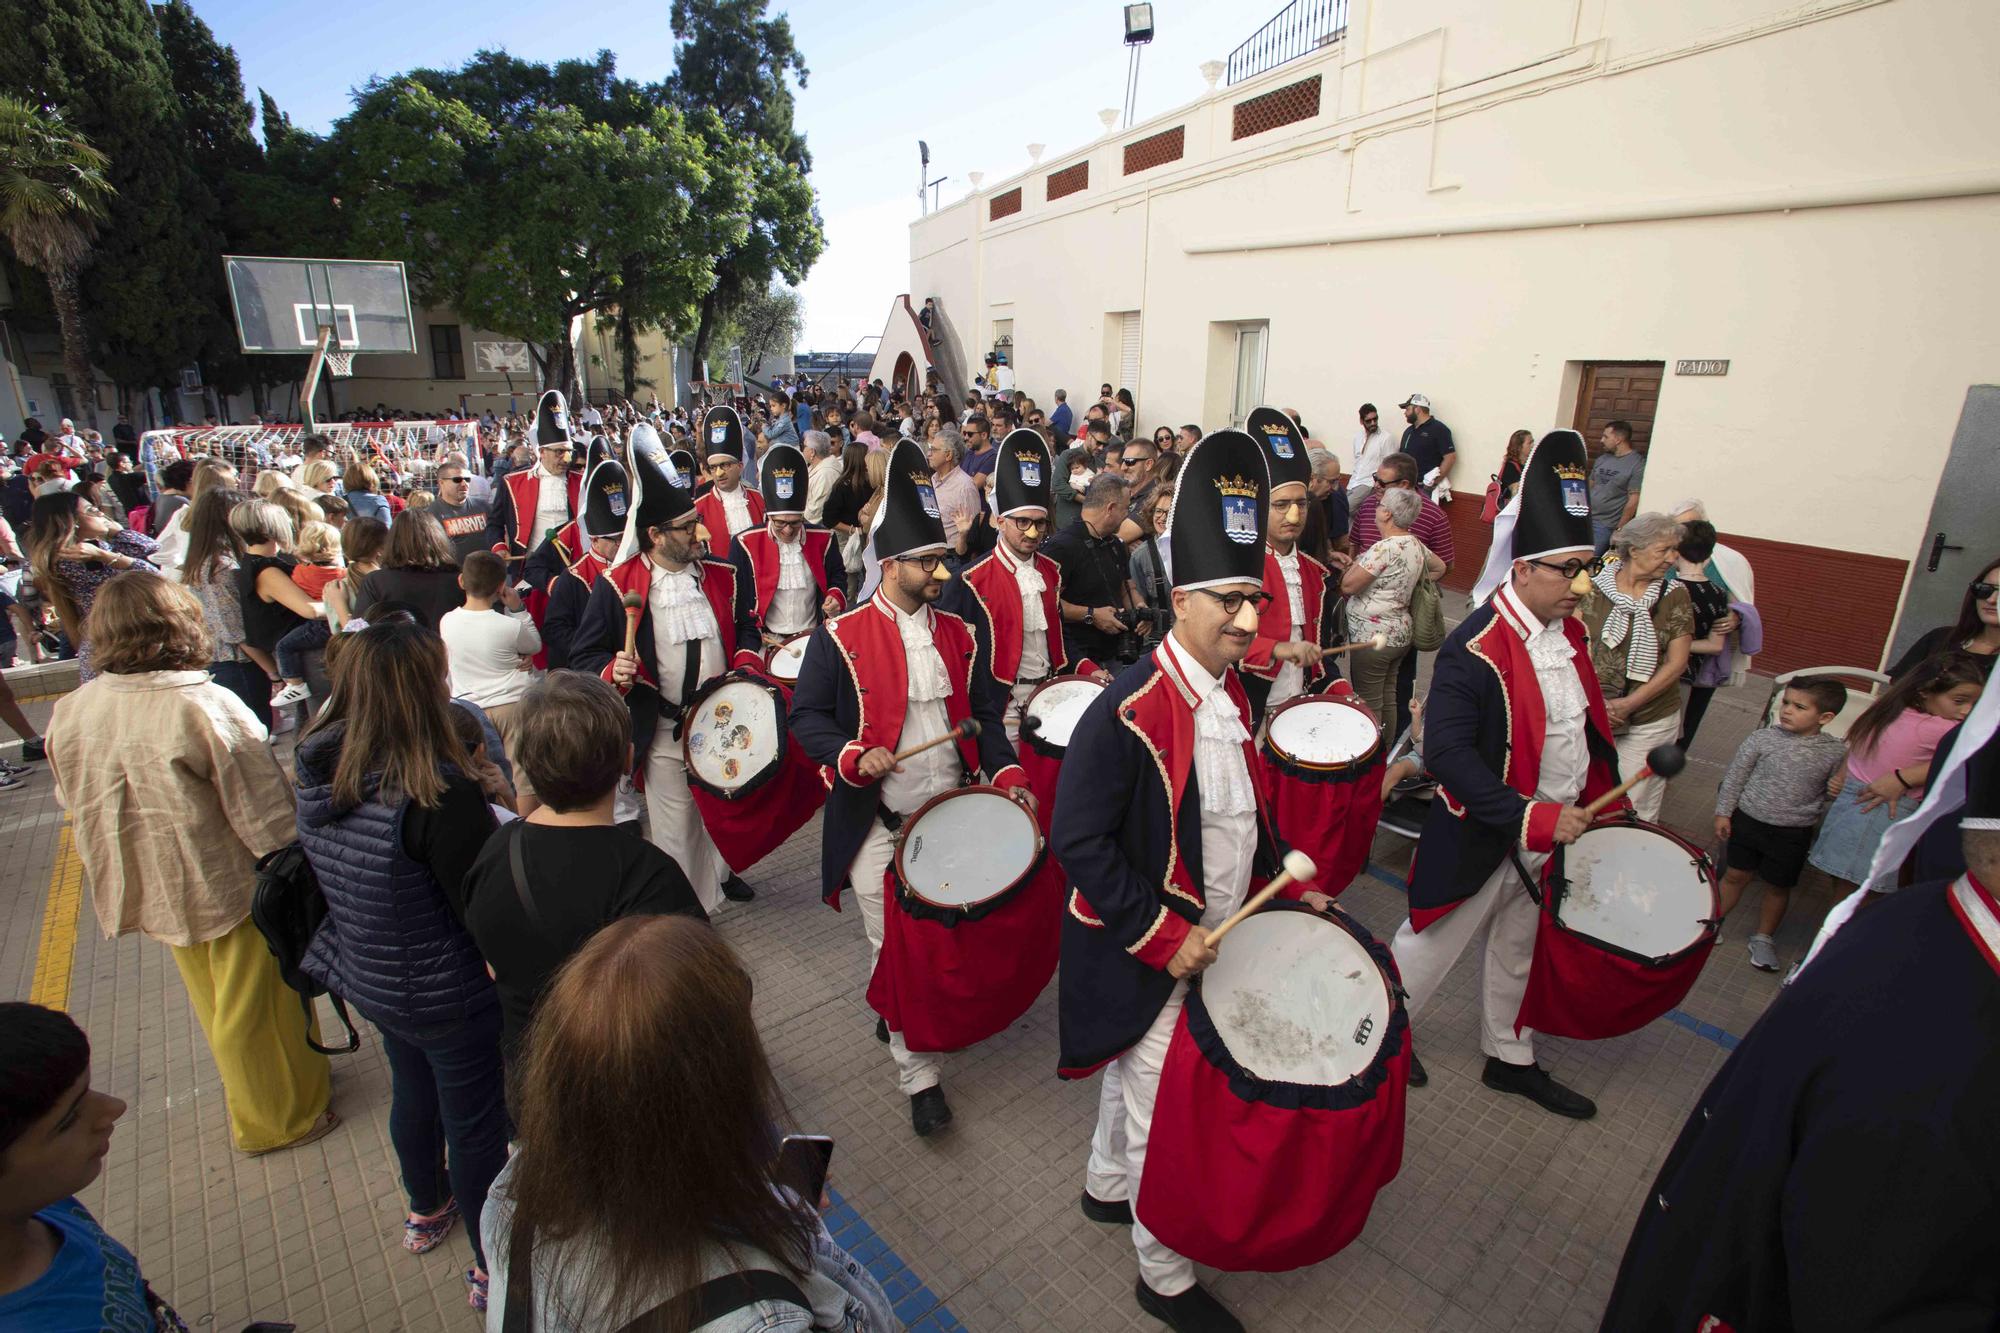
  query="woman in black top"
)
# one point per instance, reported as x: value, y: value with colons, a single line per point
x: 419, y: 571
x: 273, y: 605
x: 1510, y: 468
x: 1976, y: 632
x: 1714, y: 622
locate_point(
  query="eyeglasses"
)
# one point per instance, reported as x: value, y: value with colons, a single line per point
x: 1287, y: 506
x: 451, y: 481
x: 1982, y: 591
x: 1569, y: 569
x: 1030, y: 524
x: 927, y: 563
x: 1232, y: 602
x: 1389, y: 483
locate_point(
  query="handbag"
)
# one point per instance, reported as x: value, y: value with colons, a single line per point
x: 287, y: 908
x: 1427, y: 627
x: 1490, y: 509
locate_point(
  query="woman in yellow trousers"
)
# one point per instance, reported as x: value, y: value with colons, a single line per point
x: 174, y: 795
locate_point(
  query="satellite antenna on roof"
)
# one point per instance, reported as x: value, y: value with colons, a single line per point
x: 331, y: 308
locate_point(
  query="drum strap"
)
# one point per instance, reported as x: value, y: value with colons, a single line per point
x: 690, y: 682
x: 1527, y: 880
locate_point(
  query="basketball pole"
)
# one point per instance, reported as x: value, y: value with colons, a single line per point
x: 309, y: 394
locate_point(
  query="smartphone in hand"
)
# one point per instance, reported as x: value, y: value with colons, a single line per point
x: 803, y: 1160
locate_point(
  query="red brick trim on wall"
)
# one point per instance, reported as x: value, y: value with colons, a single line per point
x: 1155, y: 150
x: 1069, y: 180
x: 1820, y: 607
x: 1004, y: 205
x: 1281, y: 106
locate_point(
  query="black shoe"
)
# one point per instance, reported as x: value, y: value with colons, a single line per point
x: 1111, y: 1212
x: 1193, y: 1311
x: 1534, y: 1083
x: 882, y: 1030
x: 736, y: 890
x: 34, y: 751
x: 929, y: 1112
x: 1418, y: 1076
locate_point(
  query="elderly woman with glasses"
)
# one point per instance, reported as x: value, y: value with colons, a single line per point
x: 1641, y: 632
x: 1379, y: 585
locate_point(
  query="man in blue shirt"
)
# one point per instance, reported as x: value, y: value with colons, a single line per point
x: 1427, y: 440
x: 1061, y: 419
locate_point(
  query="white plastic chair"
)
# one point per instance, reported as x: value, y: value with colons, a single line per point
x: 1858, y: 700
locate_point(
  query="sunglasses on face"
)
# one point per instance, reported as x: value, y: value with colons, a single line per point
x: 1982, y: 591
x: 1390, y: 483
x: 1569, y: 569
x: 1232, y: 602
x: 451, y: 481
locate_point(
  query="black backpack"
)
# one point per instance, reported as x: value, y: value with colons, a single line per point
x: 287, y: 907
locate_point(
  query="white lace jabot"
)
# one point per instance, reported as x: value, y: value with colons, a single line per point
x: 920, y: 654
x: 1029, y: 580
x: 680, y: 610
x: 792, y: 571
x: 1555, y: 669
x: 1295, y: 588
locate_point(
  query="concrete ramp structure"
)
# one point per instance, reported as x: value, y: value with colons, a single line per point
x: 906, y: 353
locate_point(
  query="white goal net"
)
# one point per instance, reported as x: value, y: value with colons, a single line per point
x: 407, y: 450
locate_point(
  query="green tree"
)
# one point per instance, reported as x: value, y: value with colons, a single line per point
x: 101, y: 64
x: 531, y: 200
x: 732, y: 59
x: 766, y: 324
x: 53, y: 196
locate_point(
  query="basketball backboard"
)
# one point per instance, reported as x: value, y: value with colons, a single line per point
x: 280, y: 304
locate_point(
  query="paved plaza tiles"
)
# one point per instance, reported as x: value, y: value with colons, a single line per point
x: 1504, y: 1217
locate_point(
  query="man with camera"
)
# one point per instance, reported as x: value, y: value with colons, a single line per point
x: 1100, y: 621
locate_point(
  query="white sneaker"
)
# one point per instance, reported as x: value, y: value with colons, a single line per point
x: 1763, y: 954
x: 9, y: 781
x: 292, y: 694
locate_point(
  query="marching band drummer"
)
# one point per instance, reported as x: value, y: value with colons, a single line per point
x: 606, y: 499
x: 890, y: 674
x: 1010, y: 596
x: 1159, y: 823
x: 535, y: 503
x: 1516, y: 734
x: 728, y: 508
x: 688, y: 634
x: 790, y: 572
x: 1284, y: 657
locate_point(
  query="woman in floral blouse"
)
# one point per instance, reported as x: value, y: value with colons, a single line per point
x: 1378, y: 586
x: 73, y: 550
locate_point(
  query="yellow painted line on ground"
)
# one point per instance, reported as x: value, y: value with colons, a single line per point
x: 55, y: 955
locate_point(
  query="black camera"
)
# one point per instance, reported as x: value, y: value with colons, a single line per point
x: 1132, y: 643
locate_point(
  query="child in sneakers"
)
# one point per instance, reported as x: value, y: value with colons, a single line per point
x: 318, y: 549
x: 1772, y: 795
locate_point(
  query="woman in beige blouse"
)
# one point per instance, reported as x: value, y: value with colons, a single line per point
x: 174, y: 796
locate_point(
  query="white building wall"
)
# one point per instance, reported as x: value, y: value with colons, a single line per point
x: 1853, y: 330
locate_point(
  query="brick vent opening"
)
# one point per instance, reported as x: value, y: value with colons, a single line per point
x: 1155, y: 150
x: 1004, y: 205
x: 1281, y: 106
x: 1069, y: 180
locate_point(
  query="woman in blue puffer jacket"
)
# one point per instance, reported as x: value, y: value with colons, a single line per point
x: 391, y: 822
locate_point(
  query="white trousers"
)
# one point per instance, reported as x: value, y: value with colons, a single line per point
x: 1649, y: 795
x: 1017, y: 699
x: 1504, y: 917
x: 1118, y: 1146
x: 915, y: 1070
x: 673, y: 823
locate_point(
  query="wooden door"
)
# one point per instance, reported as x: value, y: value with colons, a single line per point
x: 1618, y: 391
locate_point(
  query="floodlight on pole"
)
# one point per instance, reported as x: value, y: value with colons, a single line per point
x: 1138, y: 32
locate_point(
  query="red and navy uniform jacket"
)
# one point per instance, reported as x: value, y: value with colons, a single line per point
x: 989, y: 599
x: 600, y: 636
x: 568, y: 595
x: 1483, y: 729
x: 852, y: 693
x: 516, y: 501
x: 1128, y: 832
x: 716, y: 519
x: 755, y: 555
x: 1274, y: 626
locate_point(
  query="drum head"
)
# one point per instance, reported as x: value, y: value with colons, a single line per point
x: 783, y: 661
x: 1323, y: 733
x: 734, y: 737
x: 1060, y: 705
x: 1636, y: 888
x: 967, y: 847
x: 1297, y: 999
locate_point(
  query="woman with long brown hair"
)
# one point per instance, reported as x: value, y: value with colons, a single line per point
x: 646, y: 1164
x: 214, y: 554
x: 73, y: 550
x: 1511, y: 465
x: 391, y: 820
x: 210, y: 474
x: 419, y: 571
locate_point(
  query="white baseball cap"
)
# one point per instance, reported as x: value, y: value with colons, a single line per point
x: 1416, y: 400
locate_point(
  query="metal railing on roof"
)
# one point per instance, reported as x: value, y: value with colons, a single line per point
x: 1298, y: 29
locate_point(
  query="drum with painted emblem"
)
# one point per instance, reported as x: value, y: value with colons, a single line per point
x: 753, y: 786
x: 1279, y: 1113
x: 1630, y: 912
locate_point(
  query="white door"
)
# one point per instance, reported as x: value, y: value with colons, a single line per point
x: 1250, y: 340
x: 1128, y: 353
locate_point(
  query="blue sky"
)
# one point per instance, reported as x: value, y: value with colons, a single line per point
x: 978, y: 81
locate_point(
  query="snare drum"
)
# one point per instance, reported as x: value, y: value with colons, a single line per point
x: 973, y: 933
x: 1280, y: 1108
x: 1057, y: 704
x: 734, y: 738
x: 1322, y: 763
x: 782, y: 661
x: 1629, y: 914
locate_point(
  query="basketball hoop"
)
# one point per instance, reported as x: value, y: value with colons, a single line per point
x: 340, y: 365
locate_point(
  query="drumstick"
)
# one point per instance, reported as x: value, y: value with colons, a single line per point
x: 964, y: 731
x: 1378, y: 643
x: 632, y: 602
x: 1299, y: 868
x: 1662, y: 761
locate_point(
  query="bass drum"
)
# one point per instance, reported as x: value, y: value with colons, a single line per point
x: 1048, y: 719
x: 1630, y: 912
x: 1321, y: 762
x: 1280, y: 1107
x: 753, y: 787
x: 783, y: 660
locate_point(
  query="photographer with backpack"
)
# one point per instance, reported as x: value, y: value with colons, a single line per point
x: 174, y: 796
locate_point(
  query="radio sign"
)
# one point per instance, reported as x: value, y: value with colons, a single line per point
x: 1701, y: 367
